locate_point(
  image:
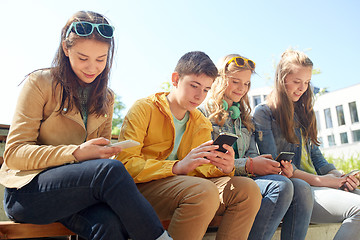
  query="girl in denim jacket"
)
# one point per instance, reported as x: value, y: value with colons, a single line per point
x: 227, y: 107
x: 287, y: 123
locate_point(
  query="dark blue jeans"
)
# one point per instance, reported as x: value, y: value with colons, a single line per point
x: 96, y: 199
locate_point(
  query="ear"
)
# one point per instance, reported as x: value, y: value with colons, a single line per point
x: 175, y: 79
x: 66, y: 51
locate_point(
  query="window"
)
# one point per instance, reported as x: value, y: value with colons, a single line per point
x: 340, y: 115
x: 344, y: 138
x: 328, y: 119
x: 321, y: 142
x: 317, y: 120
x: 257, y: 100
x: 353, y: 112
x: 356, y: 135
x: 331, y: 140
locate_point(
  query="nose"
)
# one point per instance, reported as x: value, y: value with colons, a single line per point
x: 302, y: 87
x: 200, y: 94
x: 241, y: 88
x: 91, y: 67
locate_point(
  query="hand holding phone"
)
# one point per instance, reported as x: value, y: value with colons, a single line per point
x: 225, y: 138
x: 286, y: 156
x: 124, y: 144
x: 352, y: 173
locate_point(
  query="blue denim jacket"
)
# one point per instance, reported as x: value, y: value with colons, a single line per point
x: 270, y: 140
x: 246, y: 145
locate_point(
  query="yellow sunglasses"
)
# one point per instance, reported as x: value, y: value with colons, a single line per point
x: 241, y: 62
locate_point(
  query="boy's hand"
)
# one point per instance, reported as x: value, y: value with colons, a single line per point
x: 95, y: 149
x: 196, y: 157
x: 224, y: 161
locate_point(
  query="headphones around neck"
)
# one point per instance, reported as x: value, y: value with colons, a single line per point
x: 234, y: 110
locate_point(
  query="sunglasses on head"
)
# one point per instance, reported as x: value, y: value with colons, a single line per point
x: 240, y: 62
x: 86, y: 28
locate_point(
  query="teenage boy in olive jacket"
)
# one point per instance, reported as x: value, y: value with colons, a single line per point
x: 177, y: 168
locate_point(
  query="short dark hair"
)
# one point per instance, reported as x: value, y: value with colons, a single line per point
x: 196, y: 63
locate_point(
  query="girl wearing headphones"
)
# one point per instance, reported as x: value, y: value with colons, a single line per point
x: 228, y: 109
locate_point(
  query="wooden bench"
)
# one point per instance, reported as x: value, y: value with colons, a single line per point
x: 12, y: 230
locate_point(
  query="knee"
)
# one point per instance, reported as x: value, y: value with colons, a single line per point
x: 205, y: 194
x: 110, y: 167
x: 277, y: 188
x: 303, y: 193
x: 247, y: 191
x: 284, y: 187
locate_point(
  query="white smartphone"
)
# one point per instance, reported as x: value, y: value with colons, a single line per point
x: 124, y: 144
x: 353, y: 172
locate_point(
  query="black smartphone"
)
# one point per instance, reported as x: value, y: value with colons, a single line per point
x: 286, y: 156
x: 225, y: 138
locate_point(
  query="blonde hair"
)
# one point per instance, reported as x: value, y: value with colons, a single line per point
x: 283, y: 107
x: 214, y: 100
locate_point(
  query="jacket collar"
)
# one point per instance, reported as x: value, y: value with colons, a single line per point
x: 163, y: 104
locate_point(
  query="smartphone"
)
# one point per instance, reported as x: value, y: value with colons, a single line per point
x: 352, y: 173
x: 286, y: 156
x: 225, y: 138
x: 124, y: 144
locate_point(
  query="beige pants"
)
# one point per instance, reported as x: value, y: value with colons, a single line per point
x: 192, y: 202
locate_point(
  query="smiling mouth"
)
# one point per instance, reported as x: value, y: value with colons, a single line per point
x: 89, y: 75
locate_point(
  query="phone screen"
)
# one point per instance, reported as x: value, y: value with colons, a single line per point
x: 225, y: 138
x: 286, y: 156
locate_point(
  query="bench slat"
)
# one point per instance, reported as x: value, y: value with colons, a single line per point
x: 11, y: 230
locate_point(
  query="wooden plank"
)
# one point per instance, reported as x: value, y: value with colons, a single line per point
x: 5, y: 126
x: 11, y: 230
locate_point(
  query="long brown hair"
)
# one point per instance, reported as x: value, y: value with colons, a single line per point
x: 214, y: 100
x: 101, y: 96
x: 284, y: 109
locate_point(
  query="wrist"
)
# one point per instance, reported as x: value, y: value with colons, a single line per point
x: 249, y: 167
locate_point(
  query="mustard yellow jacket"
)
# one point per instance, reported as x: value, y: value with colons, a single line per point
x: 40, y: 137
x: 150, y: 122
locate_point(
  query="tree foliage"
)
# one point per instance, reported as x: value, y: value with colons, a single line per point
x: 117, y: 116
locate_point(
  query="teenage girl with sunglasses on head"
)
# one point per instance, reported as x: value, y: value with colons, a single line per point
x: 228, y: 109
x: 287, y: 123
x: 57, y: 166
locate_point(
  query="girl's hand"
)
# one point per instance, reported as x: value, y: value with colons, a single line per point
x: 196, y: 157
x: 225, y: 161
x: 352, y: 182
x: 264, y: 165
x: 286, y: 168
x: 329, y: 180
x: 95, y: 149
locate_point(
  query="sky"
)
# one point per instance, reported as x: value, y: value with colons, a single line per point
x: 151, y: 36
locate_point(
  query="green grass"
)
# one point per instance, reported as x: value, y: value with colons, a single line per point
x: 345, y: 165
